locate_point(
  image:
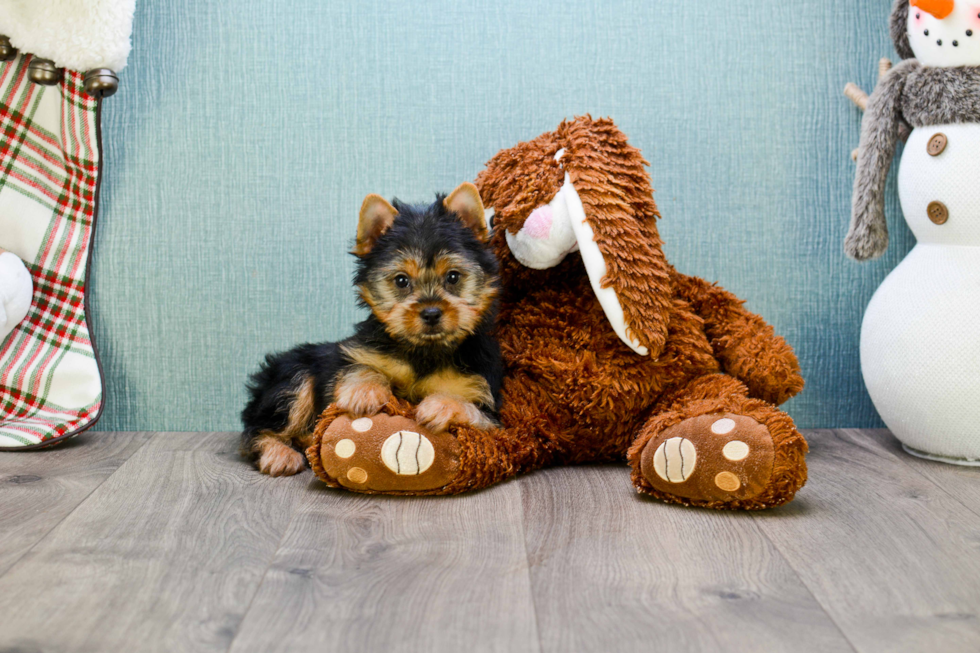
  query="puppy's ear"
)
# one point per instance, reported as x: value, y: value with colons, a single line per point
x: 466, y: 203
x: 377, y: 216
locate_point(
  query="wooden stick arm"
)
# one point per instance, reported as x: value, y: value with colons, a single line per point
x: 856, y: 94
x: 884, y: 67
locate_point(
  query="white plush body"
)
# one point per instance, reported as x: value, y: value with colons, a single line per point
x: 16, y: 291
x: 920, y: 341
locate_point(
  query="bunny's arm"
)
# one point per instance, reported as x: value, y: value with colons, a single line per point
x: 746, y: 346
x: 868, y: 235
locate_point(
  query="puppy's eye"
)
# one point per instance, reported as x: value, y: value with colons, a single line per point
x: 452, y: 278
x: 402, y: 281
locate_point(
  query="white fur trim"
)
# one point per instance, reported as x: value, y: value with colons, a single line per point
x: 76, y: 34
x: 16, y: 292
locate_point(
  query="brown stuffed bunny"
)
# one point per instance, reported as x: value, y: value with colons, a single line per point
x: 611, y: 353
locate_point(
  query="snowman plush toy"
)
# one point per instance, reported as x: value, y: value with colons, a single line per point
x: 16, y: 290
x: 920, y: 341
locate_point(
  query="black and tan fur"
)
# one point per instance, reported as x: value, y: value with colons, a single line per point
x: 431, y: 285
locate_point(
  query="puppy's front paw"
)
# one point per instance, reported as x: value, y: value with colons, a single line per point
x: 362, y: 398
x: 438, y: 411
x: 279, y: 459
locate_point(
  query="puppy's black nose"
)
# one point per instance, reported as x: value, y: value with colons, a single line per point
x: 431, y: 315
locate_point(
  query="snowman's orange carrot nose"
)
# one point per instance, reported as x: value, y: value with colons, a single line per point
x: 938, y: 8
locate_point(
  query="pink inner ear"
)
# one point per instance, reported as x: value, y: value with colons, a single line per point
x: 538, y: 225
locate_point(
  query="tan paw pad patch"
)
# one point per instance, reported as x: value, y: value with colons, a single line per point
x: 345, y: 448
x: 716, y: 457
x: 735, y: 450
x: 357, y: 475
x: 675, y: 459
x: 362, y: 424
x: 407, y: 453
x: 723, y: 426
x: 727, y: 481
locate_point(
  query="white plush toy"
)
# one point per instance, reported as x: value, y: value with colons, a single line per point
x: 16, y: 290
x: 920, y: 342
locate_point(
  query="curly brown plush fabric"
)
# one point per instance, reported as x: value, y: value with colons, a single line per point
x: 575, y: 393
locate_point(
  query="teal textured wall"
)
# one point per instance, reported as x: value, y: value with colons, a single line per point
x: 246, y: 133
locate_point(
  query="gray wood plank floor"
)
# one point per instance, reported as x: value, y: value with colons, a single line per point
x: 169, y: 542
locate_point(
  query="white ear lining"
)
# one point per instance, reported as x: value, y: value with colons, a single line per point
x: 595, y: 266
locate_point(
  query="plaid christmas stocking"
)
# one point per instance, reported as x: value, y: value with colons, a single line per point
x: 50, y: 157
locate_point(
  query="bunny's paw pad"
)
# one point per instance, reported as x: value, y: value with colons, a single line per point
x: 382, y: 453
x: 717, y: 457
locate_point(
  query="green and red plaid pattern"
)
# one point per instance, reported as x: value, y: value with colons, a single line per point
x: 50, y: 379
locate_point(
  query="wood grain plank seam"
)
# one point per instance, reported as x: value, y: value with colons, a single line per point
x: 809, y: 590
x: 527, y: 563
x: 877, y: 448
x: 760, y: 521
x: 265, y: 574
x: 148, y: 436
x: 907, y: 463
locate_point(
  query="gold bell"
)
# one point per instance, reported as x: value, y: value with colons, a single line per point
x: 101, y: 83
x: 7, y: 51
x: 44, y: 72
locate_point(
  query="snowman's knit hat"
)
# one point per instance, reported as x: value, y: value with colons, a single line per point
x: 900, y: 29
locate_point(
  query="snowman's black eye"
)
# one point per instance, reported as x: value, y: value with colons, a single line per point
x: 918, y: 15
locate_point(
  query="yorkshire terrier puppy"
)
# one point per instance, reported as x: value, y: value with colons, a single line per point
x: 431, y: 285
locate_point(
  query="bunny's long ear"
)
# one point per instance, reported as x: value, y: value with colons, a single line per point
x: 616, y: 230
